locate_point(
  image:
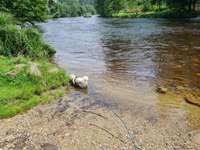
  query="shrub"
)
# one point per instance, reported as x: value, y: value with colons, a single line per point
x: 15, y: 41
x: 6, y: 18
x: 26, y: 10
x: 70, y: 8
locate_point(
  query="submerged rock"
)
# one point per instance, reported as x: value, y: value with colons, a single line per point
x: 27, y: 25
x: 162, y: 90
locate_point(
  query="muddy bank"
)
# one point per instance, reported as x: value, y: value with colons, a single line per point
x: 79, y: 122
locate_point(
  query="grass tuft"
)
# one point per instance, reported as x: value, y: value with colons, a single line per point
x: 15, y: 41
x: 6, y: 19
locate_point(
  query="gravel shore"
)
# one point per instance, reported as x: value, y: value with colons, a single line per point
x: 80, y: 123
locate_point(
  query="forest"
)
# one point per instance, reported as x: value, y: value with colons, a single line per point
x: 147, y: 8
x: 71, y: 8
x: 43, y: 9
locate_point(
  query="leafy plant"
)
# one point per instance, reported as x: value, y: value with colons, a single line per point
x: 16, y: 41
x: 6, y: 19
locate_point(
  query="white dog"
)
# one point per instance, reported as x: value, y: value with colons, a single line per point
x: 81, y: 82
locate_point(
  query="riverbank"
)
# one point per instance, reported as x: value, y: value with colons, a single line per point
x: 27, y: 77
x: 78, y: 122
x: 24, y: 83
x: 156, y: 14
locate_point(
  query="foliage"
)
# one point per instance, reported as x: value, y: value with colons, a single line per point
x: 101, y: 8
x: 26, y: 10
x: 6, y: 19
x: 71, y: 8
x: 157, y: 14
x: 88, y: 2
x: 142, y: 8
x: 22, y: 87
x: 108, y: 7
x: 16, y: 41
x: 20, y: 90
x: 39, y: 10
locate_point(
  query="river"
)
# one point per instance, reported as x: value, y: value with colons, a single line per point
x: 127, y: 59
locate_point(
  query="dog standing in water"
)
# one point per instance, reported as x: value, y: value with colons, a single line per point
x: 81, y: 82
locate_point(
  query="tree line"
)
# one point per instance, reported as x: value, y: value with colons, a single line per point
x: 71, y: 8
x: 40, y: 10
x: 109, y: 7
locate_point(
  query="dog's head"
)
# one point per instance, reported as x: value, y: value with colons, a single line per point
x: 72, y: 76
x: 85, y: 78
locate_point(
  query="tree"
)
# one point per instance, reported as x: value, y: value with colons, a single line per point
x: 108, y: 7
x: 27, y: 10
x: 74, y: 8
x: 190, y: 5
x: 100, y: 7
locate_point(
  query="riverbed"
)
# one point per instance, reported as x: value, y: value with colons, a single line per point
x: 126, y: 61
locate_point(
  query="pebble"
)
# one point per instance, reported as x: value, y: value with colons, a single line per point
x: 48, y: 146
x: 180, y: 88
x: 162, y: 90
x: 198, y: 74
x: 196, y: 139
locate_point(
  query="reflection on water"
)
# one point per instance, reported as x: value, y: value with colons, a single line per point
x: 127, y: 58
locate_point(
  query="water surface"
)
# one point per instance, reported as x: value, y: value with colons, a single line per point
x: 127, y: 59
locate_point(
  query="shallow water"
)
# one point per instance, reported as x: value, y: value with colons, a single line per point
x: 127, y: 59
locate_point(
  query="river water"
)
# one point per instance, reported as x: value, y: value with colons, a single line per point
x: 127, y: 59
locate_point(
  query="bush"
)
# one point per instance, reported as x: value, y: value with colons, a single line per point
x: 146, y: 6
x: 26, y: 10
x: 71, y: 9
x: 175, y: 14
x: 15, y: 41
x: 89, y: 9
x: 6, y: 18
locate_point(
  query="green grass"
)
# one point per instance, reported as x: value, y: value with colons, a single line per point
x: 6, y: 19
x: 22, y: 89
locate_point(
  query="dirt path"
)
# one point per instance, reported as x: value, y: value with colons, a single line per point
x: 81, y: 123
